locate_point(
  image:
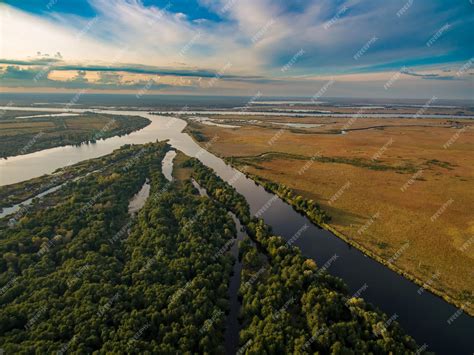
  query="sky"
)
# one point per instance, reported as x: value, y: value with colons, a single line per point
x: 306, y: 48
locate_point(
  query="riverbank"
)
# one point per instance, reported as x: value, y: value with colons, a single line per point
x: 423, y: 316
x: 425, y: 284
x: 22, y: 133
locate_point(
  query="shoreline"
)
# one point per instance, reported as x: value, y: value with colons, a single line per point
x: 423, y: 285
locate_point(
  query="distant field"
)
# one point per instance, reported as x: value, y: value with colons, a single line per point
x: 402, y: 188
x: 22, y: 134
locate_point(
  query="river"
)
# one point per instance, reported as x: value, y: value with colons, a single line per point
x: 422, y: 314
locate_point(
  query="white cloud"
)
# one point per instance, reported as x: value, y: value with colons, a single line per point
x: 24, y: 35
x: 126, y: 31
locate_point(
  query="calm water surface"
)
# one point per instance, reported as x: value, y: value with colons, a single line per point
x: 424, y: 316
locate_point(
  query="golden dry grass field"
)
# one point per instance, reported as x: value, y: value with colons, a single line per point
x: 403, y: 190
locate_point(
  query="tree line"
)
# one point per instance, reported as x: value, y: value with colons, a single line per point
x: 80, y: 275
x: 289, y: 304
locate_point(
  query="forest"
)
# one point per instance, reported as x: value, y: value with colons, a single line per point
x: 308, y: 207
x: 79, y: 274
x: 17, y: 193
x: 22, y: 133
x: 289, y: 305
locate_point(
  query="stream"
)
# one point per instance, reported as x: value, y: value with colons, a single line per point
x: 422, y: 314
x: 232, y: 320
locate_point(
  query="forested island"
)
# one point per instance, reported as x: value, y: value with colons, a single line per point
x: 80, y: 274
x: 23, y: 132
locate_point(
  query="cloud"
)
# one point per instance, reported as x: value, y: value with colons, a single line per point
x: 154, y: 38
x: 16, y: 73
x: 442, y: 75
x: 17, y: 77
x: 109, y: 78
x: 38, y: 61
x: 134, y: 69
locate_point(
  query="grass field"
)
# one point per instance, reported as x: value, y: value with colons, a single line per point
x: 403, y: 190
x: 22, y: 134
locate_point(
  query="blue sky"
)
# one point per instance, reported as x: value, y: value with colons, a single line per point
x: 278, y: 47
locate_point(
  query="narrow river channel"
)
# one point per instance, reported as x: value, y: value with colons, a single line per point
x: 423, y: 315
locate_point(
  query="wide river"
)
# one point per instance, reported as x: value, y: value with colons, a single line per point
x: 422, y: 315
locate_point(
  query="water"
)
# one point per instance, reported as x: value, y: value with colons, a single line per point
x: 15, y: 208
x: 139, y: 199
x: 164, y: 101
x: 167, y: 165
x: 209, y: 122
x: 232, y: 330
x: 50, y: 115
x: 198, y: 187
x: 24, y: 167
x: 295, y: 114
x: 298, y: 125
x: 232, y: 323
x: 424, y: 316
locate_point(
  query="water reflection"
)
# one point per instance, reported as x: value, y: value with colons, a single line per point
x: 139, y: 199
x: 423, y: 316
x: 167, y: 165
